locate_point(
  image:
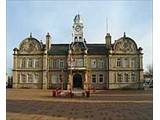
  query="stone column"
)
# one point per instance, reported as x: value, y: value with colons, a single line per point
x: 15, y: 77
x: 45, y: 72
x: 70, y: 82
x: 86, y: 84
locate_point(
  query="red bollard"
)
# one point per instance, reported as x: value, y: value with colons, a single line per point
x: 54, y: 93
x: 87, y: 93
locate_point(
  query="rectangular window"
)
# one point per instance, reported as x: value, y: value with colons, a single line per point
x: 36, y: 78
x: 55, y: 79
x: 30, y: 78
x: 36, y: 64
x: 133, y: 63
x: 19, y: 77
x: 133, y: 77
x: 23, y: 63
x: 100, y: 63
x: 30, y: 63
x: 54, y: 63
x: 93, y: 63
x: 126, y: 61
x: 119, y: 62
x: 79, y: 62
x: 23, y: 78
x: 126, y: 77
x: 119, y: 77
x: 101, y: 78
x: 93, y: 78
x: 61, y: 64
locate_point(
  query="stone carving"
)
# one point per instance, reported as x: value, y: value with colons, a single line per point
x: 29, y: 46
x: 125, y: 46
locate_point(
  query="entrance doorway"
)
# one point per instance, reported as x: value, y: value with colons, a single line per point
x: 77, y: 81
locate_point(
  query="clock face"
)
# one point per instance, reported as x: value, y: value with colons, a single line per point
x: 78, y: 28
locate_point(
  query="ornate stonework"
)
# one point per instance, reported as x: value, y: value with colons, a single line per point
x: 102, y: 66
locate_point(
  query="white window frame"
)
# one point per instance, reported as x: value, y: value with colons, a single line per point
x: 100, y: 77
x: 95, y: 78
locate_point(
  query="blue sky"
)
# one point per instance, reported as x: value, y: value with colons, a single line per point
x: 56, y: 17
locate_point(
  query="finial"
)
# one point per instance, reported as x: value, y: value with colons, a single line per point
x: 124, y: 34
x: 48, y: 35
x: 30, y: 35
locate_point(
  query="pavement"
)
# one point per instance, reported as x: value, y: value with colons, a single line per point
x: 36, y: 104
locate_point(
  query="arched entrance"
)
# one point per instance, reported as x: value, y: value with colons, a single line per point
x: 77, y: 81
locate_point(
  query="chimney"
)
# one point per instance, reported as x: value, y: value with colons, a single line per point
x: 108, y: 40
x: 48, y: 41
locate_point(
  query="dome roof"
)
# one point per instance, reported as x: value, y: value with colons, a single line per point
x: 30, y: 44
x: 125, y: 44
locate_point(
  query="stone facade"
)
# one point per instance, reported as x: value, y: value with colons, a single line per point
x: 78, y: 64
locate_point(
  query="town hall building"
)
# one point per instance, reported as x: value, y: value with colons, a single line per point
x: 78, y: 64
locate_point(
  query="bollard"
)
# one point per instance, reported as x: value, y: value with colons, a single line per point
x: 54, y: 93
x: 87, y: 93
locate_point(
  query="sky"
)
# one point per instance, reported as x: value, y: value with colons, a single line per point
x: 56, y: 17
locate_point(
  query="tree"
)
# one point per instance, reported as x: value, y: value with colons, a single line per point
x: 149, y: 71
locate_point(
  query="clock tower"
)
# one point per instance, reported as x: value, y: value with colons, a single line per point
x: 78, y: 29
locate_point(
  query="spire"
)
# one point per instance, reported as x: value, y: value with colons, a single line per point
x: 107, y: 25
x: 77, y: 19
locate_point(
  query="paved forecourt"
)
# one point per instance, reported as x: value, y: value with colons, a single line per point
x: 35, y: 104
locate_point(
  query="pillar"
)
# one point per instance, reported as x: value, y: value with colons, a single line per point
x: 70, y: 82
x: 45, y: 72
x: 15, y: 77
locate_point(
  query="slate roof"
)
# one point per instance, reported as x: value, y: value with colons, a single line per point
x: 62, y: 49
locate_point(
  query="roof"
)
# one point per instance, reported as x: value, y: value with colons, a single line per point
x: 62, y: 49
